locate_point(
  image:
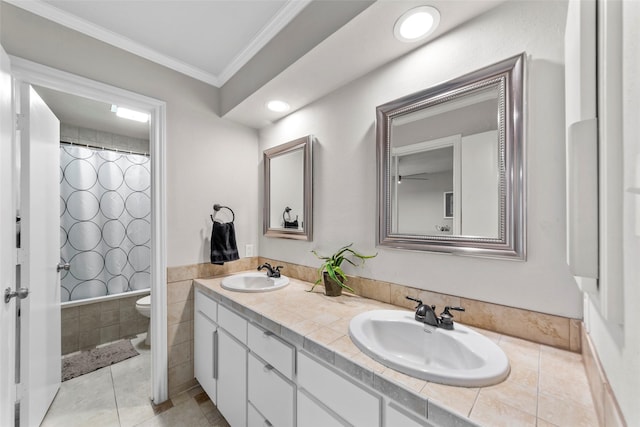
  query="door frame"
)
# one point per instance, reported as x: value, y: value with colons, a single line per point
x: 24, y: 71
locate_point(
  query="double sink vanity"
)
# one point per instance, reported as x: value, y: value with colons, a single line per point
x: 292, y: 357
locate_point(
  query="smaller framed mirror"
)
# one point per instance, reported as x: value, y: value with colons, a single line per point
x: 288, y: 190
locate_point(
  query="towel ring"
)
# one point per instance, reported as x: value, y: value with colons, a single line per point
x: 286, y: 212
x: 217, y: 208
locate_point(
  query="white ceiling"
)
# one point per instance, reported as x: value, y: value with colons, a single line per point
x: 211, y: 40
x: 205, y: 39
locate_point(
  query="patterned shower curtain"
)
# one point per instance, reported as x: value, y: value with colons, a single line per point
x: 105, y: 222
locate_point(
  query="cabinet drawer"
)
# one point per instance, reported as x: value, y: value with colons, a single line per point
x: 311, y: 414
x: 271, y: 394
x: 254, y: 419
x: 206, y: 306
x: 396, y: 416
x: 354, y: 404
x: 233, y: 324
x: 272, y: 350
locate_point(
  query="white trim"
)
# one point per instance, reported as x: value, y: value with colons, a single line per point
x: 285, y: 15
x: 33, y: 73
x: 86, y: 301
x: 421, y: 147
x: 85, y: 27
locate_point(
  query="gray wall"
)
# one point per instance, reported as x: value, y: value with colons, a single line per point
x: 209, y: 159
x: 345, y: 156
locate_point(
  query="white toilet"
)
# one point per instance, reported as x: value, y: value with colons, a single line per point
x: 143, y: 305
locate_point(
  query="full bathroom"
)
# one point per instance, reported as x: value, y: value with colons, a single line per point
x: 505, y: 261
x: 105, y: 228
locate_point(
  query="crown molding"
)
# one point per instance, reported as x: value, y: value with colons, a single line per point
x: 279, y: 21
x: 285, y: 15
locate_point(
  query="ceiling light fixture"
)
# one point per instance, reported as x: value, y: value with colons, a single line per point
x: 126, y: 113
x: 278, y: 106
x: 416, y: 24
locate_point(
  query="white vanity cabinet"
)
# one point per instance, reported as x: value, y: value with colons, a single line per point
x: 205, y: 332
x: 257, y: 379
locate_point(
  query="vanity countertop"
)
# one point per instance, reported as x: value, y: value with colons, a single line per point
x: 546, y: 387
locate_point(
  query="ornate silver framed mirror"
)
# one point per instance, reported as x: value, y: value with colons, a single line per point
x: 288, y: 190
x: 450, y: 166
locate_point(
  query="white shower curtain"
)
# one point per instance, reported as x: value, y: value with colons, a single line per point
x: 105, y: 222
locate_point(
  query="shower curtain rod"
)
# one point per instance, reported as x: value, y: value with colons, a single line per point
x: 104, y: 148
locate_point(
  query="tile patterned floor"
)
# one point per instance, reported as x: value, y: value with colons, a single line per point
x: 117, y: 396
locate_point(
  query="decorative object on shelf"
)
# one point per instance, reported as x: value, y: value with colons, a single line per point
x: 331, y: 273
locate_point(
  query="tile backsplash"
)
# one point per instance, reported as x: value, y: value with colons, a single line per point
x: 548, y: 329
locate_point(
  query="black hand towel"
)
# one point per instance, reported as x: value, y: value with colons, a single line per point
x: 223, y: 243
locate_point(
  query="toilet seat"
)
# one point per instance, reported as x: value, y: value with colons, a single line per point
x: 144, y: 301
x: 143, y: 305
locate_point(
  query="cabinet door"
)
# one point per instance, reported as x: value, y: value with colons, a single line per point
x: 232, y: 379
x: 204, y: 357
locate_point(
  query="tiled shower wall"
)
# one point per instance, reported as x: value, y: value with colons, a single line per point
x: 86, y: 326
x: 84, y: 136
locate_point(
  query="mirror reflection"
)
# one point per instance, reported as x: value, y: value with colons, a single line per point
x: 288, y: 190
x: 445, y: 175
x: 450, y: 165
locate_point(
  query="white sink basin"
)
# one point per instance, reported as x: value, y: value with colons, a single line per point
x: 254, y: 282
x: 461, y: 357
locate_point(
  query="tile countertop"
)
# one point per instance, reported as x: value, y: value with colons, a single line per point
x: 546, y: 386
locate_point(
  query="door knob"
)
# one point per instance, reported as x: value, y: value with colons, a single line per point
x: 66, y: 266
x: 21, y: 293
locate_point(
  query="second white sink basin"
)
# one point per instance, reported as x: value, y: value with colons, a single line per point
x: 254, y: 282
x: 459, y: 357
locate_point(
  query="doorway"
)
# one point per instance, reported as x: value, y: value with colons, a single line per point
x: 25, y: 71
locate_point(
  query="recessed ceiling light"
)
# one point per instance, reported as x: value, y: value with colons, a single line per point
x: 126, y: 113
x: 416, y: 24
x: 278, y: 106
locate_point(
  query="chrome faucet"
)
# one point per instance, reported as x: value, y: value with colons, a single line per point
x: 271, y: 271
x: 427, y: 315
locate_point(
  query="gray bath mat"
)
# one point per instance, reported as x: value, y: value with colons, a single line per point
x: 92, y: 360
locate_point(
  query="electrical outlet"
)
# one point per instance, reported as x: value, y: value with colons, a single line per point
x: 248, y: 251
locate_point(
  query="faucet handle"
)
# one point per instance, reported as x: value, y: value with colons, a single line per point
x: 419, y: 301
x: 447, y: 308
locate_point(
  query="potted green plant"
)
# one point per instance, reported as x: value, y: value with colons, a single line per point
x: 331, y: 273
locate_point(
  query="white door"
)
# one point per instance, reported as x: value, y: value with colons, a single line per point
x: 7, y: 246
x: 40, y: 242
